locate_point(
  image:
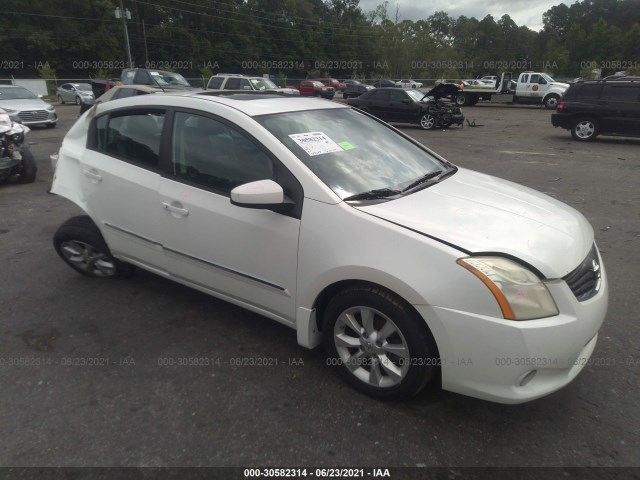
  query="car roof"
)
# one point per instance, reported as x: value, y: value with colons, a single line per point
x: 249, y: 103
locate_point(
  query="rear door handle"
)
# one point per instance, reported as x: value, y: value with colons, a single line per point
x: 176, y: 207
x: 92, y: 174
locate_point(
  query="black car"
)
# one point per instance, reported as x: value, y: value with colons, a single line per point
x: 353, y: 91
x: 386, y: 84
x: 412, y: 106
x: 600, y: 107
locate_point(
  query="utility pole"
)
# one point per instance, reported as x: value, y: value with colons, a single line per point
x: 124, y: 15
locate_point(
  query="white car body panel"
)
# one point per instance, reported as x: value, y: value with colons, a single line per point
x: 481, y: 213
x: 278, y: 265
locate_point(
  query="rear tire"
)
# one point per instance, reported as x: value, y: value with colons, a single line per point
x: 80, y: 244
x: 585, y: 130
x: 378, y: 343
x: 60, y: 101
x: 463, y: 100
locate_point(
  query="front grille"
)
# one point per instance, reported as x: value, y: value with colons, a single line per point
x: 584, y: 281
x: 33, y: 115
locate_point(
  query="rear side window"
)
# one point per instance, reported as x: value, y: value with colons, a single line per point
x: 589, y: 92
x: 133, y: 136
x: 215, y: 82
x: 232, y: 84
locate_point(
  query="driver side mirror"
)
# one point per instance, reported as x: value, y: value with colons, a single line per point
x: 261, y: 194
x: 406, y: 101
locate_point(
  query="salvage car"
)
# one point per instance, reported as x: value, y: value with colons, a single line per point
x: 75, y: 93
x: 26, y: 106
x: 408, y: 268
x: 428, y: 110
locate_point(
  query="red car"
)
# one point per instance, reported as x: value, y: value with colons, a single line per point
x: 332, y: 82
x: 315, y: 88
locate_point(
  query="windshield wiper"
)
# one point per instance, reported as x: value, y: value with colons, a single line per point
x: 421, y: 180
x: 374, y: 194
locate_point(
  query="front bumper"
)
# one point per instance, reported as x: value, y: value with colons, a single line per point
x: 37, y: 117
x: 509, y: 361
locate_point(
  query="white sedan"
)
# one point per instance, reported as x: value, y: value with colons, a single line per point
x: 331, y: 222
x: 410, y: 84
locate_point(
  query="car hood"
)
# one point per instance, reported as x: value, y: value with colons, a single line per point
x: 479, y: 213
x: 559, y: 84
x: 24, y: 104
x: 286, y: 91
x: 443, y: 90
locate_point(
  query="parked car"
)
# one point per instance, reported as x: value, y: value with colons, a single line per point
x: 410, y: 84
x: 356, y: 90
x: 411, y: 106
x: 351, y: 81
x: 225, y: 81
x: 386, y: 84
x: 155, y: 78
x: 315, y: 88
x: 332, y: 82
x: 335, y: 224
x: 74, y: 93
x: 28, y: 107
x: 600, y: 107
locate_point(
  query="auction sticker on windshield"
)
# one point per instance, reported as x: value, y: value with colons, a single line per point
x: 315, y: 143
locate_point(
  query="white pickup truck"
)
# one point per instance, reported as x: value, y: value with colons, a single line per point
x: 531, y: 87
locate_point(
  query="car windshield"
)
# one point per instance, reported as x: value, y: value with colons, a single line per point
x: 318, y: 84
x: 85, y: 87
x: 415, y: 95
x: 262, y: 83
x: 349, y: 151
x: 547, y: 77
x: 169, y: 79
x: 16, y: 93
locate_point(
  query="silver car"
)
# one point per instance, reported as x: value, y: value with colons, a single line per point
x: 75, y: 93
x: 25, y: 105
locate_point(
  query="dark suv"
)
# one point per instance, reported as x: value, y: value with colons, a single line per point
x: 600, y: 107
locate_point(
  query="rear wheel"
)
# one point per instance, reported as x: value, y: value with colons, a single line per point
x: 427, y: 121
x: 60, y: 101
x: 378, y: 343
x: 463, y: 100
x: 585, y: 130
x: 79, y: 243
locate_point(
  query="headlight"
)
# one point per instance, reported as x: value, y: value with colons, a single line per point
x: 520, y: 294
x: 51, y: 108
x: 5, y: 120
x: 9, y: 110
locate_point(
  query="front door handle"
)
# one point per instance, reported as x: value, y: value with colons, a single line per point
x: 175, y: 208
x: 92, y: 174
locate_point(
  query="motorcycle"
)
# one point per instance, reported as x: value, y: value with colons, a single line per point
x: 17, y: 164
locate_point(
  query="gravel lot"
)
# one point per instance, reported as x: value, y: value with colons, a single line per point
x: 135, y: 410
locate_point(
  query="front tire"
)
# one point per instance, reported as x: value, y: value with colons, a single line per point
x: 585, y: 130
x: 80, y: 244
x: 551, y: 102
x: 29, y: 167
x: 428, y: 121
x: 378, y: 343
x: 78, y: 101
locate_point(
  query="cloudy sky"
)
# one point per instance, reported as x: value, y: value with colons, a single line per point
x: 523, y: 12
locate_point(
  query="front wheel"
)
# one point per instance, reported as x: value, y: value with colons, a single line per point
x: 378, y: 343
x: 585, y: 130
x: 427, y: 121
x: 551, y: 102
x: 80, y: 244
x: 29, y: 167
x: 78, y: 101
